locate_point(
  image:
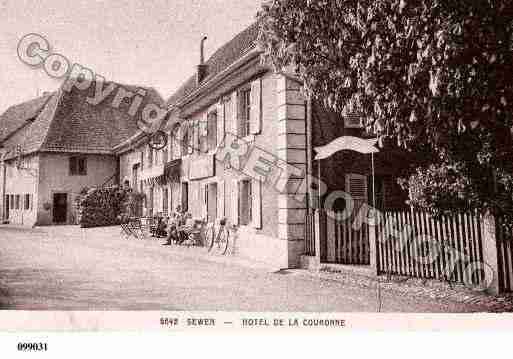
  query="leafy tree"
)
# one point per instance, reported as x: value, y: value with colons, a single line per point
x: 430, y: 74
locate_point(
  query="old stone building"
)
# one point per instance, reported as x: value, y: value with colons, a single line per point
x: 53, y: 147
x: 240, y: 146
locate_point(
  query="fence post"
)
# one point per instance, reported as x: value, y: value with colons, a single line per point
x: 488, y: 232
x: 373, y: 242
x: 318, y: 233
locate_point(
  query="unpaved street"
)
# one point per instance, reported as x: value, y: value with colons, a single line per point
x: 68, y: 268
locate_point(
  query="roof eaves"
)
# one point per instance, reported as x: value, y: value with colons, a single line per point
x: 248, y: 56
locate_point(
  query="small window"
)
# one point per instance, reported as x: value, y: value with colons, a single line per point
x: 245, y: 202
x: 17, y: 201
x: 27, y: 202
x: 244, y: 112
x: 77, y: 166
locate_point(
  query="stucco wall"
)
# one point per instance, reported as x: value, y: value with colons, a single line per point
x: 20, y: 182
x: 55, y: 178
x: 280, y: 239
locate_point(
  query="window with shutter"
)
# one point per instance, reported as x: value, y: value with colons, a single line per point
x: 82, y: 166
x: 220, y: 122
x: 72, y: 166
x: 212, y: 131
x: 244, y: 112
x: 235, y: 202
x: 193, y: 137
x: 255, y: 117
x: 220, y: 200
x: 185, y: 139
x: 77, y: 166
x: 356, y: 186
x: 27, y: 202
x: 256, y: 205
x: 246, y: 202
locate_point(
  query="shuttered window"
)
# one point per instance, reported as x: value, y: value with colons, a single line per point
x: 356, y: 186
x: 221, y: 113
x: 244, y: 112
x: 27, y: 202
x: 256, y: 203
x: 212, y: 131
x: 185, y: 139
x: 245, y: 202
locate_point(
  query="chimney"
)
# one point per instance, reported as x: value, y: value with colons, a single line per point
x: 202, y: 68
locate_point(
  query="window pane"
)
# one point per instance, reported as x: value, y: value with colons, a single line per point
x: 82, y: 166
x: 73, y: 166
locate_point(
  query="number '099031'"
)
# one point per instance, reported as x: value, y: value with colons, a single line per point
x: 37, y: 347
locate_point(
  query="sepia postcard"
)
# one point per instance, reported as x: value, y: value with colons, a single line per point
x: 322, y: 165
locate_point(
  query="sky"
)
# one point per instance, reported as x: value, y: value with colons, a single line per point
x: 147, y: 43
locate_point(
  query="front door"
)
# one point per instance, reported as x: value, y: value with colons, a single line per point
x: 60, y: 207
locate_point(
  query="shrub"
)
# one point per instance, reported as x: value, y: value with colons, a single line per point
x: 102, y: 206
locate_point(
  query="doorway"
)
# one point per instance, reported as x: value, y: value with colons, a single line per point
x: 7, y: 207
x: 60, y: 207
x: 211, y: 199
x: 185, y: 196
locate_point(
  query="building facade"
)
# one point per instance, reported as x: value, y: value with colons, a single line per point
x: 232, y: 96
x: 54, y: 147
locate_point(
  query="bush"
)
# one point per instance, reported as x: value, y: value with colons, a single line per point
x: 99, y: 207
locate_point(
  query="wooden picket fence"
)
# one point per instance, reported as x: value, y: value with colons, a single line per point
x: 504, y: 257
x: 345, y: 244
x: 412, y: 243
x: 310, y: 233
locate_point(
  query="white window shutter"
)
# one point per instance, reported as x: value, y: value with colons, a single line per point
x: 204, y: 200
x: 256, y: 107
x: 256, y: 206
x: 204, y: 134
x: 356, y: 186
x: 197, y: 129
x: 234, y: 128
x: 235, y: 202
x: 220, y: 122
x: 190, y: 135
x: 220, y: 199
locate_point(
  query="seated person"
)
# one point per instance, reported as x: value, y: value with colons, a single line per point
x: 160, y: 230
x: 177, y: 219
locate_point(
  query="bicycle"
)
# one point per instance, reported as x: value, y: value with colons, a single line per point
x: 221, y: 239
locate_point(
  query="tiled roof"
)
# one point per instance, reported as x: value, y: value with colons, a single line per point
x: 68, y: 123
x: 220, y: 60
x: 17, y: 116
